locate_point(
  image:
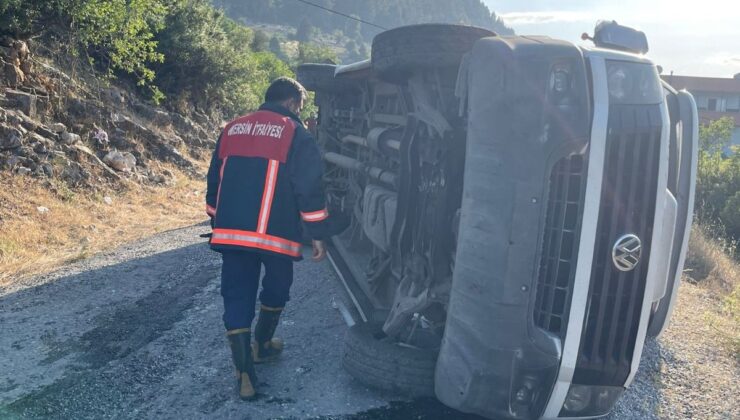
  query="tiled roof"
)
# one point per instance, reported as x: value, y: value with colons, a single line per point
x: 704, y: 84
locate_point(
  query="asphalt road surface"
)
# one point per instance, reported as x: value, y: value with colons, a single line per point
x: 137, y: 333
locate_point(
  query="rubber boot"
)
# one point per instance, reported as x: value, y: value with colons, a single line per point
x: 241, y: 352
x: 266, y: 348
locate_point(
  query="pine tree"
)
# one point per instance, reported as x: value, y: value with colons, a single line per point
x: 260, y: 41
x: 276, y: 48
x: 305, y: 31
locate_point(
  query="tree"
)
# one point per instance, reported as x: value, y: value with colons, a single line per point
x: 312, y: 53
x: 119, y: 35
x: 260, y: 41
x: 305, y: 31
x: 353, y: 52
x: 716, y: 135
x: 276, y: 47
x: 364, y: 52
x: 352, y: 28
x: 387, y: 13
x: 718, y: 177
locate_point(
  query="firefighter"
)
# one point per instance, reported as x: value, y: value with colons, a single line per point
x: 263, y: 183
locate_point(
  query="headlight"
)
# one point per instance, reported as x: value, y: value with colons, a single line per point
x: 618, y: 80
x: 578, y: 398
x: 633, y: 83
x: 560, y: 80
x: 588, y: 401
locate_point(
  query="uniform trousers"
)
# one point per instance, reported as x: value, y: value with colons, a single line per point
x: 240, y: 279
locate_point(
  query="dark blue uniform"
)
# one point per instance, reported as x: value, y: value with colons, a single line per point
x: 264, y: 180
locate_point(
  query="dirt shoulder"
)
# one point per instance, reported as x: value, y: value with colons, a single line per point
x: 698, y: 375
x: 44, y: 224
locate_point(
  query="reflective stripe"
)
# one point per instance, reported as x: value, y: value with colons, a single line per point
x: 255, y: 240
x: 315, y: 216
x: 237, y: 331
x: 221, y: 180
x: 210, y: 210
x: 267, y: 195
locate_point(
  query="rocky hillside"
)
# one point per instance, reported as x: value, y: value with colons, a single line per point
x: 86, y: 131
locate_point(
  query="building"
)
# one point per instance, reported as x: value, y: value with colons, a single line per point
x: 715, y: 97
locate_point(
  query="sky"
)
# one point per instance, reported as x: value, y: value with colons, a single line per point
x: 694, y: 38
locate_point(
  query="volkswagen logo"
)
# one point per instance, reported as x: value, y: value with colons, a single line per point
x: 626, y: 252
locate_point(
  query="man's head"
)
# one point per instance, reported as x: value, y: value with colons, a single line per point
x: 286, y: 92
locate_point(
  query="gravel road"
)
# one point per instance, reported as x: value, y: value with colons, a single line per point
x: 136, y: 333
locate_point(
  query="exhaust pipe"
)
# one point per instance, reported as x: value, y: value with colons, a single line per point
x: 351, y: 164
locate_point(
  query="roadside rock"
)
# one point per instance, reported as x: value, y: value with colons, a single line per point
x: 184, y: 123
x: 22, y: 121
x: 86, y: 151
x: 58, y: 128
x: 47, y: 169
x: 157, y: 116
x: 12, y: 162
x: 10, y: 138
x: 40, y: 144
x: 115, y: 96
x: 22, y: 170
x: 76, y: 106
x: 166, y: 178
x: 73, y: 173
x: 201, y: 118
x: 122, y: 162
x: 132, y: 128
x: 119, y: 140
x: 14, y: 75
x: 25, y: 102
x: 70, y: 138
x: 101, y: 137
x: 14, y: 118
x: 47, y: 133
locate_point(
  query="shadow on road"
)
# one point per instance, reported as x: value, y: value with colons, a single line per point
x: 62, y: 338
x: 137, y: 333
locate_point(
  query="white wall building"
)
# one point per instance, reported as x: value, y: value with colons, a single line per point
x: 715, y: 97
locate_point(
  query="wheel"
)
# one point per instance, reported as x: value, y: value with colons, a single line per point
x: 320, y: 78
x: 401, y: 49
x: 376, y: 361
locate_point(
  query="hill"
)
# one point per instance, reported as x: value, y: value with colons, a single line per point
x: 310, y: 21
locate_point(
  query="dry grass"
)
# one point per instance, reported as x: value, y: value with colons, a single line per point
x: 699, y: 349
x: 698, y: 375
x: 80, y: 223
x: 710, y: 263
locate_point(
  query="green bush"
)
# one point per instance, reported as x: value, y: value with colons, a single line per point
x: 119, y: 34
x: 184, y: 50
x: 718, y: 177
x: 313, y: 53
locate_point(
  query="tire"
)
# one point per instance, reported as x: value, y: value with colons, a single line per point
x: 401, y: 49
x: 320, y: 78
x: 375, y: 361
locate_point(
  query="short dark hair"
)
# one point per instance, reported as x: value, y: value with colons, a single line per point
x: 284, y: 88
